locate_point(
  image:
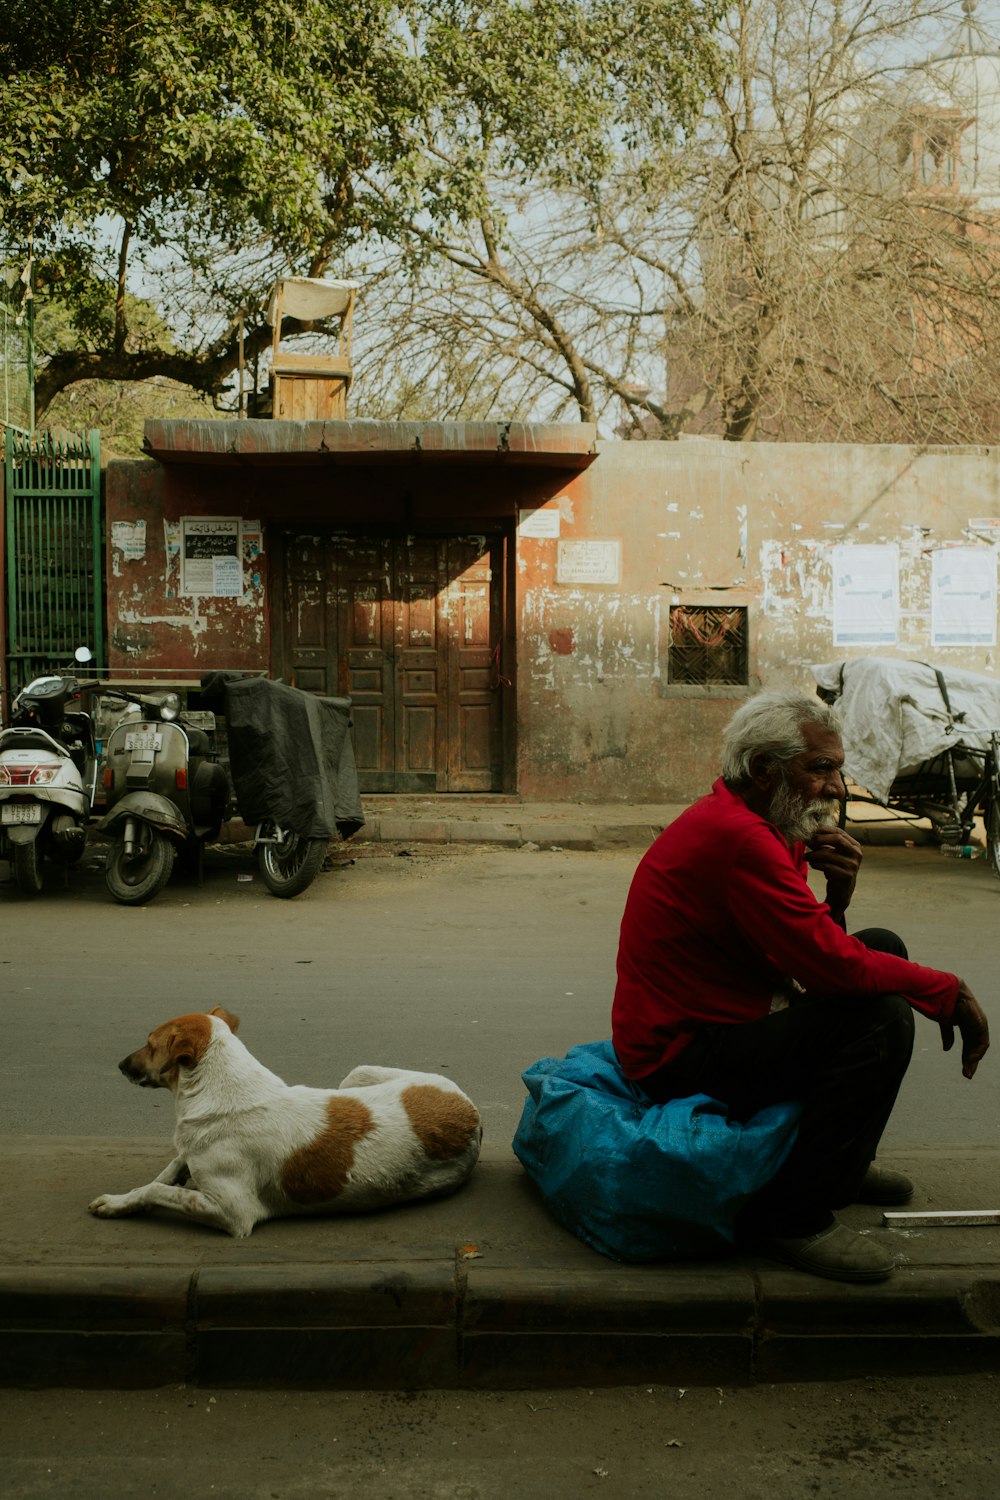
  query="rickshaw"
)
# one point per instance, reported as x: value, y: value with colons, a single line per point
x: 922, y: 742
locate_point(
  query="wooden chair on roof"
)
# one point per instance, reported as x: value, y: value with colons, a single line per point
x: 311, y: 387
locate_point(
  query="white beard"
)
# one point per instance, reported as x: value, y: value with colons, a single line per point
x: 798, y: 819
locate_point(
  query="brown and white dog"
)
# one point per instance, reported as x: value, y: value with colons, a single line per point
x: 250, y: 1147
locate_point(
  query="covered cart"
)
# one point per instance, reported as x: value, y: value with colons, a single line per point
x: 291, y: 760
x: 922, y: 740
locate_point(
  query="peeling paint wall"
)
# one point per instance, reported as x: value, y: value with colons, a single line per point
x: 152, y: 626
x: 600, y: 556
x: 703, y: 523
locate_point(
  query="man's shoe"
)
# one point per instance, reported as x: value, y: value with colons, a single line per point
x: 879, y: 1185
x: 837, y: 1253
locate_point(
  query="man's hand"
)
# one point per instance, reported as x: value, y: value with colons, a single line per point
x: 837, y: 856
x: 972, y: 1024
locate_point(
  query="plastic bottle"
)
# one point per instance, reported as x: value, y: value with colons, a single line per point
x: 960, y: 851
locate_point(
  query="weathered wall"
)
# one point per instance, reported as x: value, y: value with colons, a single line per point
x: 703, y: 522
x: 151, y: 626
x: 695, y: 522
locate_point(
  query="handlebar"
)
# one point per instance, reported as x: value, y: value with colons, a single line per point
x: 166, y: 706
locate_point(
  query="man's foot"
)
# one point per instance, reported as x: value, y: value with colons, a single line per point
x: 837, y: 1253
x: 881, y: 1186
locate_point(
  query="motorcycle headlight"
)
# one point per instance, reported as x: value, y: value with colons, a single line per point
x: 170, y: 707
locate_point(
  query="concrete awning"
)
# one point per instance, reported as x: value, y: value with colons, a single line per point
x: 553, y: 445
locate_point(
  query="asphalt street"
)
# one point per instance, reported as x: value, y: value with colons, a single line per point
x: 869, y: 1439
x: 472, y: 962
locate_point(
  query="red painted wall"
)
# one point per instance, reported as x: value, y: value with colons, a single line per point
x: 594, y: 715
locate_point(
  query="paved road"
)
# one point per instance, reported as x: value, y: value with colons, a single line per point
x: 470, y: 962
x: 871, y: 1440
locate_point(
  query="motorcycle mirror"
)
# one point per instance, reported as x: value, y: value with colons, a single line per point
x: 83, y: 654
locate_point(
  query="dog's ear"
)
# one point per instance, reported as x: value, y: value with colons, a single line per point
x: 185, y: 1047
x: 233, y: 1022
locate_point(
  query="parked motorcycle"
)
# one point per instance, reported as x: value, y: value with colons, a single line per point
x: 165, y: 793
x: 291, y: 761
x: 47, y: 778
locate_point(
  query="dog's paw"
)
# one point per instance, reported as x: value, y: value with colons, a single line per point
x: 110, y: 1206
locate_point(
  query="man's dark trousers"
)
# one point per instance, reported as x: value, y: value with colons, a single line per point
x: 844, y: 1058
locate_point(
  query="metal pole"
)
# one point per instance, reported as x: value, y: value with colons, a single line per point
x: 241, y: 409
x: 938, y: 1218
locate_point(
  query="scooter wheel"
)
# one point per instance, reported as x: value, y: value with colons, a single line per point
x: 28, y: 868
x: 287, y: 868
x: 133, y: 881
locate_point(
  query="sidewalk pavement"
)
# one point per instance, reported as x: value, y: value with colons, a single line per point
x: 480, y: 1290
x: 569, y: 825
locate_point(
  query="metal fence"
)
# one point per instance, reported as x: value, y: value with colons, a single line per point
x: 54, y: 551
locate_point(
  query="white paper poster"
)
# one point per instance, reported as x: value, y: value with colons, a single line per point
x: 206, y: 542
x: 130, y: 539
x: 866, y: 595
x: 227, y: 577
x: 964, y: 596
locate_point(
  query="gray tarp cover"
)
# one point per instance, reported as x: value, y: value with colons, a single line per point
x: 894, y: 717
x: 290, y: 754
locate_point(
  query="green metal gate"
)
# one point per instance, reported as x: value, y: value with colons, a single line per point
x: 54, y: 551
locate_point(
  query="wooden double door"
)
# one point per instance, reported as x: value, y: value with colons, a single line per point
x: 409, y: 628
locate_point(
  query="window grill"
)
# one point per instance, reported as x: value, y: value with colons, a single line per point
x: 708, y: 645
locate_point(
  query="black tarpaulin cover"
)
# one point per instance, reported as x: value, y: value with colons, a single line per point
x: 290, y: 754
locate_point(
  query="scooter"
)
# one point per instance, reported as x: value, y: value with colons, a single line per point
x: 48, y: 770
x: 165, y: 793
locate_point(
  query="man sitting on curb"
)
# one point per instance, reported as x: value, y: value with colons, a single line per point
x: 734, y: 981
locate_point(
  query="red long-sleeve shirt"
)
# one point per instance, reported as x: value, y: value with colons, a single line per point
x: 718, y: 917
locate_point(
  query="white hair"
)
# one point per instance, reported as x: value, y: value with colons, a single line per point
x: 770, y: 724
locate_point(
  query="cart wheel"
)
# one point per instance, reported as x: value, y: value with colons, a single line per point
x: 287, y: 868
x: 993, y: 835
x: 28, y: 868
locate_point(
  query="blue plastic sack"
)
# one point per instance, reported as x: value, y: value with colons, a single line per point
x: 636, y: 1180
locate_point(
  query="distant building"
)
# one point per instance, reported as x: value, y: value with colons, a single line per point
x: 917, y: 157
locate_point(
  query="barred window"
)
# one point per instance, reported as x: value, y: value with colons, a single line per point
x: 708, y: 645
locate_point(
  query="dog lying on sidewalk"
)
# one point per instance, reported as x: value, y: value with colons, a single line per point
x: 249, y: 1147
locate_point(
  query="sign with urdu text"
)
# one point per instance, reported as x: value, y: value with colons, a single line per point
x: 211, y: 556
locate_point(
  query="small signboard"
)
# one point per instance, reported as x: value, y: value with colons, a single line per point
x: 538, y: 523
x: 594, y: 561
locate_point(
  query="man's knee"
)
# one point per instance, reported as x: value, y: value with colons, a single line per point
x: 877, y: 1028
x: 892, y: 1017
x: 882, y: 940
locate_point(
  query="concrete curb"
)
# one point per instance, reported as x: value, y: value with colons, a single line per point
x: 454, y: 1324
x: 569, y: 828
x: 482, y: 1289
x: 571, y: 825
x: 530, y: 831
